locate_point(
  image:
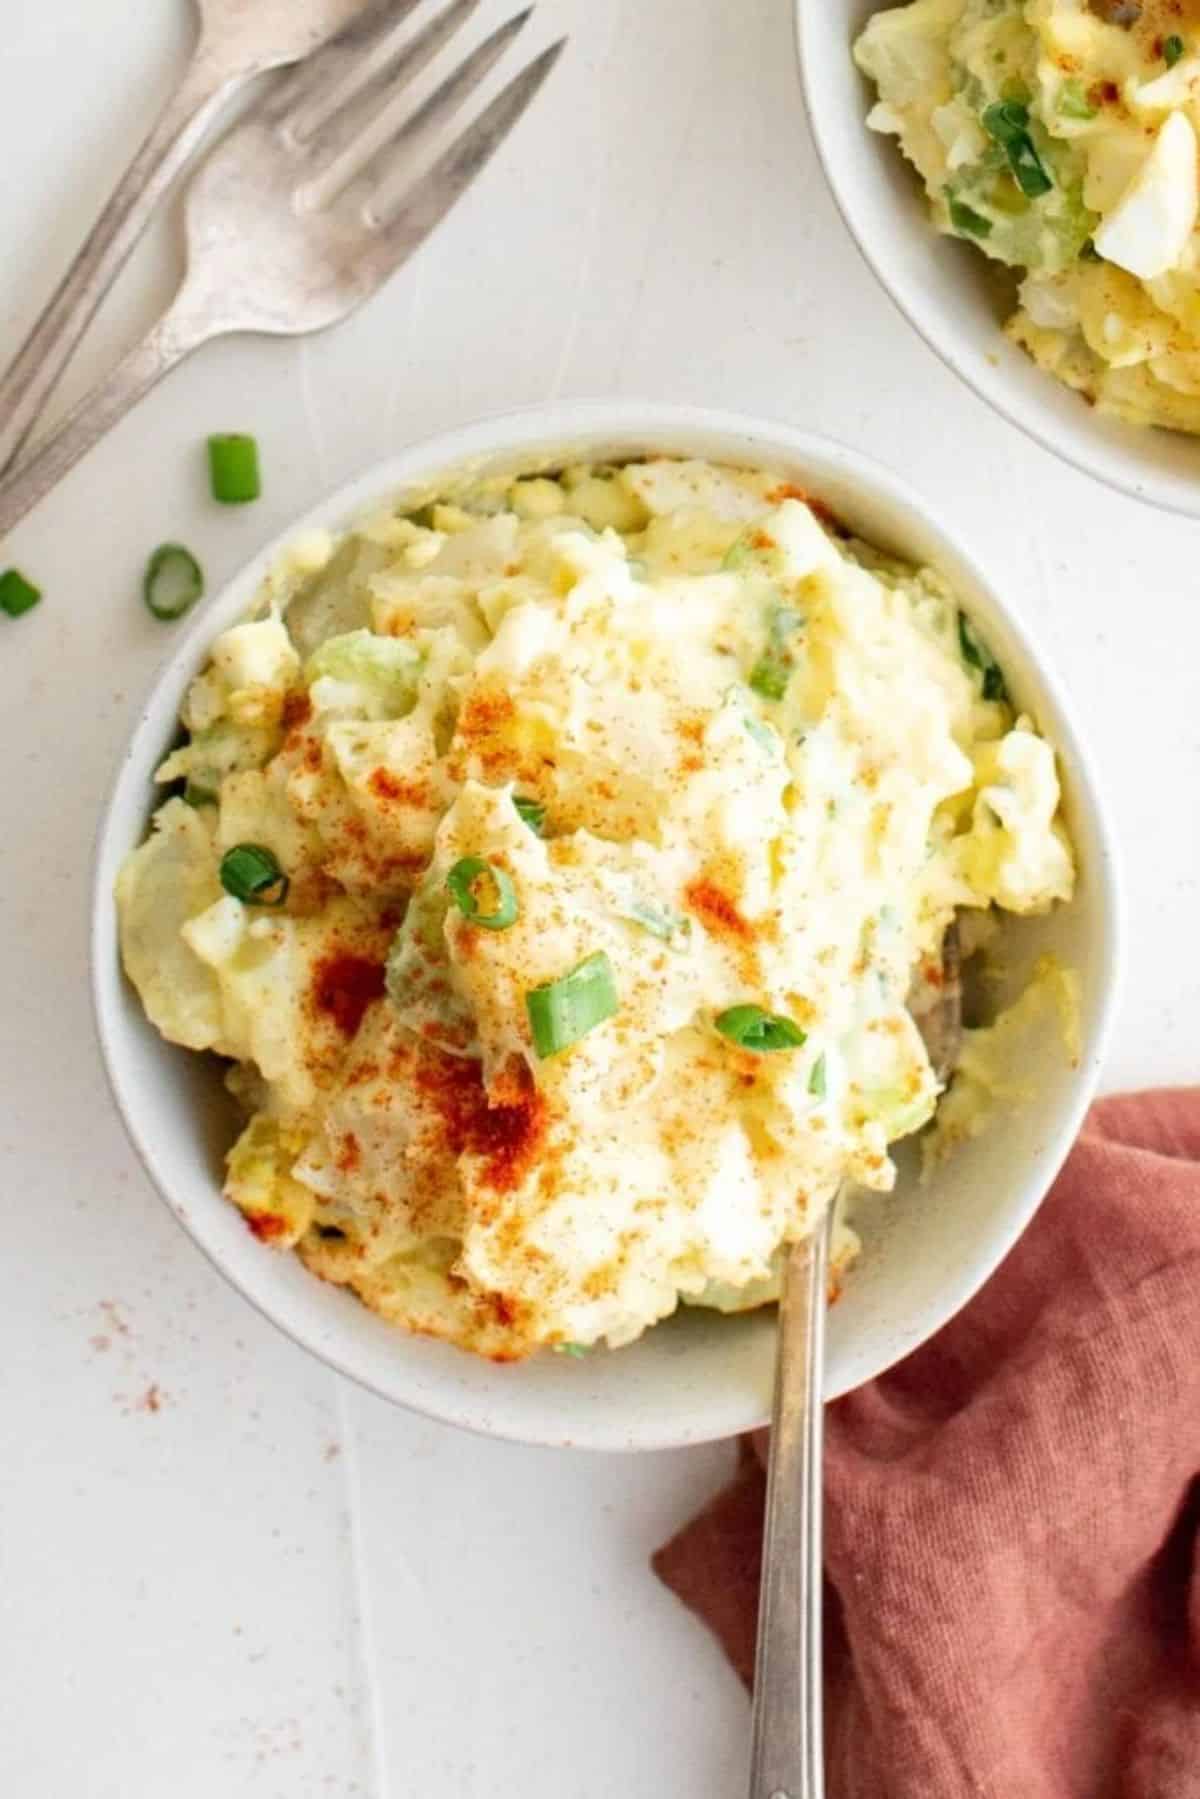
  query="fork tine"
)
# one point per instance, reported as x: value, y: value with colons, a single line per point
x: 350, y: 127
x: 402, y: 229
x: 388, y: 158
x: 326, y: 77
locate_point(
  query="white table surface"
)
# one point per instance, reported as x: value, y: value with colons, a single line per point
x: 223, y: 1571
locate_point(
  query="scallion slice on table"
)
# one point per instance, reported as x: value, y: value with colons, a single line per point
x: 233, y: 469
x: 561, y: 1012
x: 173, y: 581
x: 17, y: 595
x: 750, y: 1027
x: 1007, y: 123
x: 251, y: 874
x: 499, y: 909
x: 532, y: 812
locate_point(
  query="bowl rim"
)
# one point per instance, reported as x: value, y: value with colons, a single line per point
x: 533, y: 428
x: 995, y: 393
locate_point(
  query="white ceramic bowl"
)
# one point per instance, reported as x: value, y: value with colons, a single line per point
x: 699, y: 1376
x: 952, y: 294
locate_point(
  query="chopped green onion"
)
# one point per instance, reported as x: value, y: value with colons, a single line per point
x: 1173, y: 48
x: 976, y: 654
x: 462, y: 881
x: 572, y: 1349
x: 561, y: 1012
x: 1005, y: 120
x: 816, y: 1079
x: 532, y: 812
x: 17, y: 595
x: 1008, y: 124
x: 671, y: 927
x: 762, y: 733
x: 251, y: 874
x: 233, y: 469
x: 752, y: 1028
x: 1073, y: 102
x: 196, y: 794
x: 769, y: 676
x: 967, y: 221
x: 173, y: 581
x: 773, y: 670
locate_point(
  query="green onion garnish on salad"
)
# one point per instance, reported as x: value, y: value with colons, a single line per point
x: 760, y: 731
x: 753, y: 1029
x: 1173, y: 48
x: 500, y: 908
x: 251, y: 874
x: 670, y: 927
x: 233, y: 469
x: 1073, y: 102
x: 561, y: 1012
x: 816, y: 1079
x: 773, y: 670
x: 977, y: 655
x: 173, y: 582
x: 966, y: 220
x: 769, y: 677
x: 532, y: 812
x: 1007, y: 123
x: 17, y: 595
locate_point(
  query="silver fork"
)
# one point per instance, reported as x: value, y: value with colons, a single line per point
x: 237, y: 39
x: 288, y: 228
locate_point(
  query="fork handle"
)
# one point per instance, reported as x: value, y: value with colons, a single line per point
x: 177, y: 333
x: 788, y: 1759
x: 34, y: 372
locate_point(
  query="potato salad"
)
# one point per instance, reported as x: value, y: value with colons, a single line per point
x: 1060, y: 137
x: 553, y: 863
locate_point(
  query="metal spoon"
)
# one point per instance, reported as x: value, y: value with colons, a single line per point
x: 237, y: 40
x: 787, y: 1760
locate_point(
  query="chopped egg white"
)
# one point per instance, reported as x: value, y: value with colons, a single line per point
x: 1151, y: 224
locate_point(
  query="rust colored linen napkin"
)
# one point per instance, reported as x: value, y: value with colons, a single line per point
x: 1012, y: 1571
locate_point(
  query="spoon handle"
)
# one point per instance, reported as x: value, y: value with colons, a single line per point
x: 788, y: 1760
x: 31, y: 377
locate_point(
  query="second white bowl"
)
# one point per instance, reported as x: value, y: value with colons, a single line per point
x: 698, y: 1376
x: 953, y: 295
